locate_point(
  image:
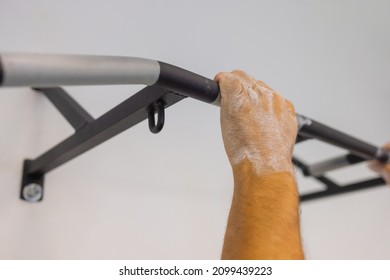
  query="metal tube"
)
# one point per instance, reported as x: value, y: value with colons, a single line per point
x: 49, y: 70
x: 334, y: 163
x: 311, y: 128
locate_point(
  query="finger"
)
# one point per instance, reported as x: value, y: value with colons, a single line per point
x: 291, y: 108
x: 228, y: 84
x: 278, y: 104
x: 265, y: 101
x: 247, y: 80
x: 243, y: 75
x: 219, y: 76
x: 262, y: 84
x: 375, y: 166
x: 387, y: 146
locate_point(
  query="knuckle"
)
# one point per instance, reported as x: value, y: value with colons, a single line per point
x: 239, y: 72
x: 220, y: 76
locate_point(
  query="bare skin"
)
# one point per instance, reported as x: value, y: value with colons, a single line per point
x: 259, y: 130
x: 381, y: 168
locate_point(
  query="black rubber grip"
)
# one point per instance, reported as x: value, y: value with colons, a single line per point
x: 1, y: 72
x: 187, y: 83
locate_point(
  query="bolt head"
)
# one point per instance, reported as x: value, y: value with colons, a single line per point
x: 32, y: 192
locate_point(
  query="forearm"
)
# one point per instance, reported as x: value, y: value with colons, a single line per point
x: 259, y: 128
x: 264, y: 216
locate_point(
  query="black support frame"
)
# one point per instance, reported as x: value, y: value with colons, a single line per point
x: 331, y: 188
x: 143, y: 105
x: 89, y: 132
x: 68, y: 107
x: 125, y: 115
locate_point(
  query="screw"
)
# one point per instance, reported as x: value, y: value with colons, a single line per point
x: 32, y: 192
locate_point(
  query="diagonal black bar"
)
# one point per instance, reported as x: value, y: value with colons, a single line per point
x: 301, y: 138
x: 301, y: 165
x: 1, y: 72
x: 68, y: 107
x: 330, y: 185
x: 125, y: 115
x: 344, y: 189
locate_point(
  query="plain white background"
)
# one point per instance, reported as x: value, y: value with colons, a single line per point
x: 167, y: 196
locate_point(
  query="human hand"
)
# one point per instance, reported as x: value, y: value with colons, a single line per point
x: 258, y: 125
x: 382, y: 168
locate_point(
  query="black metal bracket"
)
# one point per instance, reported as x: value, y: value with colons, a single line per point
x: 331, y: 187
x: 32, y: 184
x: 90, y: 133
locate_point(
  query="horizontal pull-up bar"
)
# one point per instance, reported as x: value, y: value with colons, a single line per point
x: 166, y: 85
x: 43, y: 70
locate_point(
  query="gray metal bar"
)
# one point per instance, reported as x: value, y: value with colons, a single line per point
x: 320, y: 168
x: 49, y: 70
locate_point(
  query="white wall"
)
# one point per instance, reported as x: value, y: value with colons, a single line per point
x: 167, y: 196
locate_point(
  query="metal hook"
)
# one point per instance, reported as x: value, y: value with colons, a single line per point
x: 159, y: 108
